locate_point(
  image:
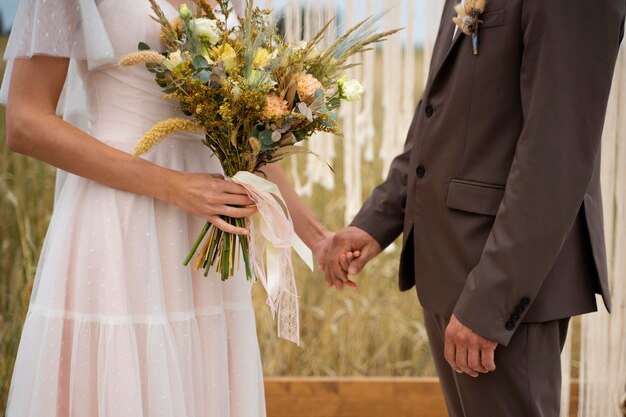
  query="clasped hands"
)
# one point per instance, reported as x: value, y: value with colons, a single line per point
x: 344, y: 254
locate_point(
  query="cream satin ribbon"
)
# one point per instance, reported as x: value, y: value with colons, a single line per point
x: 275, y: 271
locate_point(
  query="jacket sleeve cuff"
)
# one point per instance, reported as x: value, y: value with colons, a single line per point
x: 494, y: 320
x: 384, y: 228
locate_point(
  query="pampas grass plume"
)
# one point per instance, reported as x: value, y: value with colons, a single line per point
x: 163, y: 129
x: 142, y: 57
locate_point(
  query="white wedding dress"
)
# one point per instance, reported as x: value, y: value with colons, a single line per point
x: 117, y: 326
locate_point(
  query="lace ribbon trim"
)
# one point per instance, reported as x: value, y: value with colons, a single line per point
x: 278, y: 237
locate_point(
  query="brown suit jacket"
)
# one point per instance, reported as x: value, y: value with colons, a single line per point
x: 498, y: 189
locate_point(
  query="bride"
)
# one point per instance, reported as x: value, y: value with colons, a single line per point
x: 116, y: 325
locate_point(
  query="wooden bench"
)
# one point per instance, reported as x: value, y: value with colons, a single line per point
x: 361, y: 397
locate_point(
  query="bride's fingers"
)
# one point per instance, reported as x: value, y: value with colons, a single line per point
x: 329, y: 282
x: 226, y: 227
x: 237, y: 212
x: 237, y: 200
x: 338, y: 273
x: 351, y: 284
x: 233, y: 188
x: 344, y: 262
x: 335, y: 282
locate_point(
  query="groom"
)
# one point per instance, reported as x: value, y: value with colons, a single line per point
x: 497, y: 195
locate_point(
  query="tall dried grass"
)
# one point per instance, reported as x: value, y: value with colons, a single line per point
x: 371, y: 331
x: 26, y: 190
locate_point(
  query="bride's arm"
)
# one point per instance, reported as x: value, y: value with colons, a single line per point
x: 307, y: 226
x: 33, y: 129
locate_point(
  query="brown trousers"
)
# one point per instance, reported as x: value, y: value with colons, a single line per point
x: 527, y: 379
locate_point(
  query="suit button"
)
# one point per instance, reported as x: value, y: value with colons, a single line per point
x: 514, y: 317
x: 525, y: 301
x: 509, y: 325
x: 429, y: 111
x: 421, y: 171
x: 519, y: 310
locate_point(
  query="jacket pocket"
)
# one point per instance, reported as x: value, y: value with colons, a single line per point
x: 493, y: 19
x: 475, y: 197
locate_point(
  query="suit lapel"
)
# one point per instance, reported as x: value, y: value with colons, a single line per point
x: 445, y: 43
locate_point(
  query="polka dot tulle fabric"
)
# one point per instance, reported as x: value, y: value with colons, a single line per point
x: 117, y: 327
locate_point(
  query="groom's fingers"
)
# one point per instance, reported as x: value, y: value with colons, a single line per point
x: 362, y: 258
x: 357, y: 265
x: 487, y: 359
x: 474, y: 361
x: 462, y: 356
x: 449, y: 351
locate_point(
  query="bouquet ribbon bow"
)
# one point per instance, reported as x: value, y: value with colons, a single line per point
x: 275, y: 271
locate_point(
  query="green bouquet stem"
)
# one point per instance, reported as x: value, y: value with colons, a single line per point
x: 220, y: 250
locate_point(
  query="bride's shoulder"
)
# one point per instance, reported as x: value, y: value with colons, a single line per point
x: 99, y: 31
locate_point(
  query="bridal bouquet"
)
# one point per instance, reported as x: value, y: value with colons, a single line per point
x: 254, y: 97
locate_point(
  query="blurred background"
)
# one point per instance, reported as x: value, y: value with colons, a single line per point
x: 373, y: 330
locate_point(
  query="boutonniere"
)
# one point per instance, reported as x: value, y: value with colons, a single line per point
x: 468, y: 19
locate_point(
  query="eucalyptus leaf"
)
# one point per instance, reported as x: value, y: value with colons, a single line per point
x: 144, y: 46
x: 332, y: 116
x: 300, y: 135
x: 200, y: 62
x: 205, y: 76
x: 266, y: 138
x: 329, y: 123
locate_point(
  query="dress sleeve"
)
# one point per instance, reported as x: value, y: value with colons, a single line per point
x: 60, y: 28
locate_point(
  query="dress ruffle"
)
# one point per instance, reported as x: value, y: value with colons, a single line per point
x: 151, y: 366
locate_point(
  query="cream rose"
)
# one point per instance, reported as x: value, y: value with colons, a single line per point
x: 206, y: 29
x: 350, y: 90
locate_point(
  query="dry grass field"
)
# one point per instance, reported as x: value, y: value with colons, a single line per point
x: 371, y: 331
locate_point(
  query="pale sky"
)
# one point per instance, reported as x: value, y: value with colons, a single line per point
x: 7, y: 9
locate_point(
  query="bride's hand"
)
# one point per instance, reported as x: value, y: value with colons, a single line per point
x: 321, y: 253
x: 319, y: 249
x: 210, y: 196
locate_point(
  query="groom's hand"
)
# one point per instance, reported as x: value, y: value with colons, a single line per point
x: 350, y: 240
x: 468, y: 352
